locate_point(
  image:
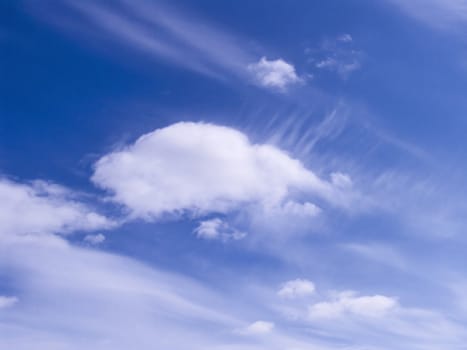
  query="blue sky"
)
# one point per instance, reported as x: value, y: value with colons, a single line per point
x: 248, y: 175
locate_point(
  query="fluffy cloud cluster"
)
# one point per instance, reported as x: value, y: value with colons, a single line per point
x: 218, y: 229
x: 199, y: 168
x: 274, y: 73
x: 43, y: 208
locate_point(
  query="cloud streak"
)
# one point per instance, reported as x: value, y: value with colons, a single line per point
x: 440, y: 14
x: 154, y: 29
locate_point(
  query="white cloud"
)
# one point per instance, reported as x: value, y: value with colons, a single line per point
x: 198, y: 168
x: 258, y: 328
x: 7, y: 301
x: 349, y: 303
x: 43, y: 208
x: 296, y: 288
x: 274, y: 73
x: 94, y: 239
x: 106, y: 295
x: 217, y: 229
x: 372, y: 321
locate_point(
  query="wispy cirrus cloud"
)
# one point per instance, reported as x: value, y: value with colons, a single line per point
x: 439, y: 14
x: 158, y: 31
x: 153, y: 29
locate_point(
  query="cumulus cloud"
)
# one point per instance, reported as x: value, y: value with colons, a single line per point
x: 199, y: 168
x: 349, y: 303
x: 274, y: 73
x: 42, y: 208
x: 7, y: 301
x: 94, y: 239
x: 296, y: 288
x: 217, y: 229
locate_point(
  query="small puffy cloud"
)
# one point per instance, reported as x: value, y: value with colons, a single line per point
x: 276, y: 74
x: 7, y: 301
x: 349, y: 303
x: 217, y: 229
x: 258, y: 328
x: 94, y: 239
x: 296, y: 288
x: 197, y: 169
x: 42, y: 208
